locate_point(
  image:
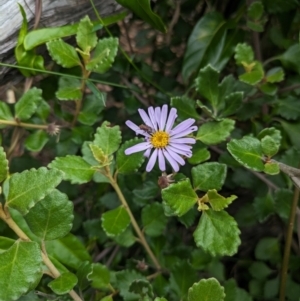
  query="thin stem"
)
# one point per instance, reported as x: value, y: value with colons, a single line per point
x: 24, y: 125
x: 287, y: 247
x: 133, y: 220
x: 5, y: 216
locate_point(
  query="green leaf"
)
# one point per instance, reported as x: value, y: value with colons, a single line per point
x: 123, y: 281
x: 52, y: 217
x: 91, y: 109
x: 217, y: 201
x: 81, y: 274
x: 290, y: 59
x: 269, y: 146
x: 142, y: 8
x: 23, y: 190
x: 22, y: 263
x: 288, y: 107
x: 86, y: 38
x: 211, y: 28
x: 244, y: 54
x: 283, y: 199
x: 142, y: 287
x: 63, y: 284
x: 185, y: 107
x: 255, y: 10
x: 207, y: 84
x: 154, y: 219
x: 260, y: 270
x: 206, y: 290
x: 269, y: 89
x: 200, y: 153
x: 69, y: 250
x: 210, y: 175
x: 272, y: 168
x: 214, y: 132
x: 234, y: 293
x: 3, y: 165
x: 129, y: 163
x: 28, y: 103
x: 115, y: 221
x: 99, y: 276
x: 108, y: 138
x: 233, y: 101
x: 180, y: 197
x: 5, y: 112
x: 36, y: 141
x: 104, y: 55
x: 254, y: 75
x: 69, y: 88
x: 63, y: 54
x: 182, y: 277
x: 5, y: 243
x: 247, y: 151
x: 275, y: 75
x: 268, y: 249
x: 292, y: 130
x: 272, y: 132
x: 217, y: 233
x: 74, y: 169
x: 264, y: 207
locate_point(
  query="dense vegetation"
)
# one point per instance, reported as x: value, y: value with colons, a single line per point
x: 84, y: 217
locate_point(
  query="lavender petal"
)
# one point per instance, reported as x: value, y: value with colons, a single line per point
x: 182, y: 140
x: 181, y: 146
x: 138, y: 148
x: 185, y: 132
x: 173, y: 163
x: 145, y: 118
x: 157, y: 115
x: 171, y: 119
x: 163, y: 117
x: 182, y: 126
x: 136, y: 129
x: 152, y: 161
x: 179, y: 151
x: 147, y: 153
x: 151, y: 113
x: 161, y: 160
x: 175, y: 156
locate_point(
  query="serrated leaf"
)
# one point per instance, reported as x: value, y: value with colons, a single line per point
x: 36, y: 141
x: 154, y: 219
x: 269, y: 146
x: 259, y: 270
x: 142, y: 287
x: 5, y: 243
x: 63, y: 284
x: 288, y: 107
x: 52, y: 217
x: 108, y: 138
x: 86, y: 38
x: 98, y: 153
x: 254, y: 75
x: 243, y: 54
x: 206, y: 290
x: 84, y: 269
x: 5, y: 112
x: 129, y: 163
x: 69, y: 250
x: 232, y: 103
x: 217, y: 201
x: 214, y: 132
x: 125, y: 239
x: 182, y: 277
x: 23, y: 190
x: 292, y: 130
x: 99, y: 276
x: 268, y: 248
x: 217, y: 233
x: 209, y: 175
x: 247, y: 151
x: 268, y: 88
x: 283, y: 199
x: 28, y: 103
x: 3, y: 165
x: 255, y: 10
x: 272, y: 132
x: 115, y: 221
x: 104, y: 55
x: 63, y: 54
x: 123, y: 281
x: 74, y: 169
x: 275, y: 75
x: 234, y: 293
x: 272, y: 168
x: 207, y: 84
x: 180, y: 197
x: 185, y: 107
x: 69, y: 88
x: 143, y: 9
x: 22, y: 263
x: 290, y: 59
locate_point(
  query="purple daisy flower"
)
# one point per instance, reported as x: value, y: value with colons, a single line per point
x: 166, y: 143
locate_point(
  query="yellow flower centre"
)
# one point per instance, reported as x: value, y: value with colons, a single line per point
x: 160, y: 139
